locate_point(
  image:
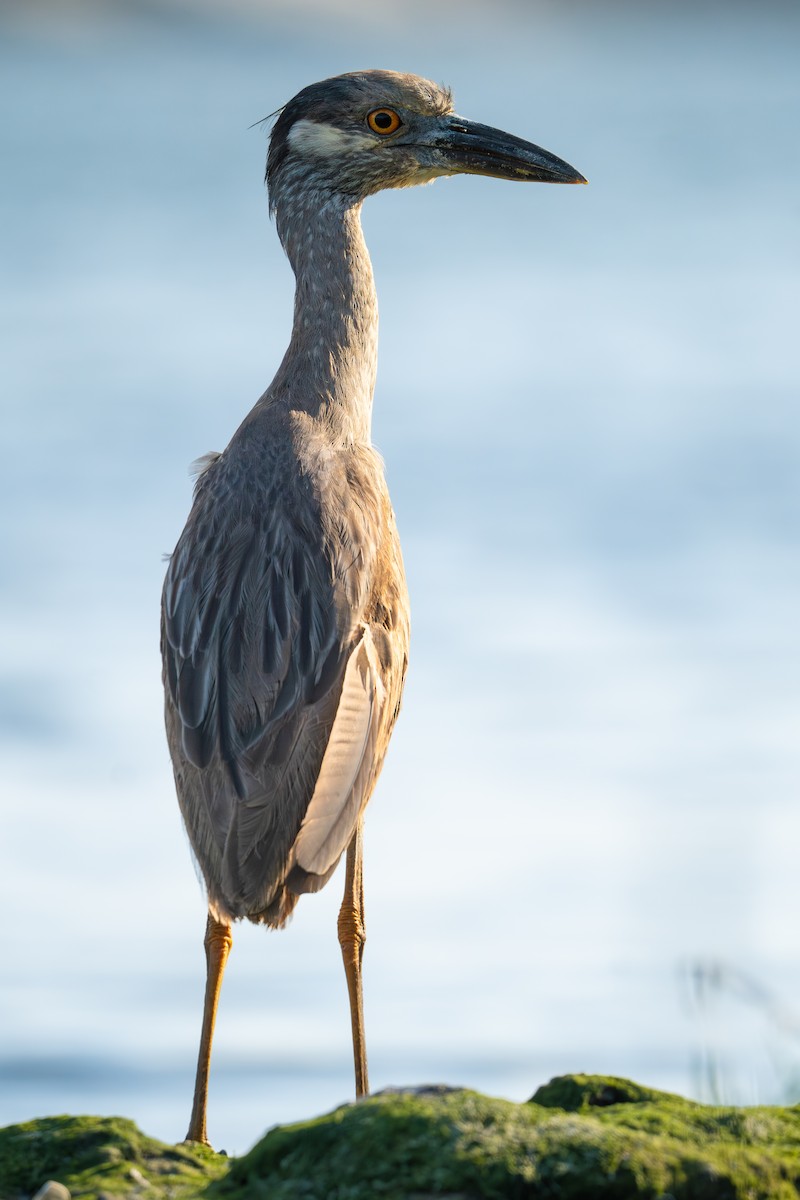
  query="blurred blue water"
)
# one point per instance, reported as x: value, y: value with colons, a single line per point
x: 587, y: 403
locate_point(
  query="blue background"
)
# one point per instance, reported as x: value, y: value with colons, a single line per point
x: 582, y: 854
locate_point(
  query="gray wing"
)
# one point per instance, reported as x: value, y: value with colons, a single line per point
x: 274, y: 693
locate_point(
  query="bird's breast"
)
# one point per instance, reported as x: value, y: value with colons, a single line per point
x: 357, y: 526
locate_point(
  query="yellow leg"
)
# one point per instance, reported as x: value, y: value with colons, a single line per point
x: 352, y: 937
x: 218, y: 941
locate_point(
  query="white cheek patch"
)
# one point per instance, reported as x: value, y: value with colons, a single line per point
x: 317, y: 140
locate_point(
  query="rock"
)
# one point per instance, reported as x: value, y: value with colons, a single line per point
x: 101, y: 1156
x: 580, y: 1138
x: 52, y: 1190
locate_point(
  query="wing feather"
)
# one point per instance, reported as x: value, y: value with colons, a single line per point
x: 277, y: 713
x: 316, y: 848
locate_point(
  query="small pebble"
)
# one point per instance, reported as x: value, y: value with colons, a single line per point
x: 52, y: 1190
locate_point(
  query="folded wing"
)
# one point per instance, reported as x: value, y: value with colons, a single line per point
x: 274, y: 700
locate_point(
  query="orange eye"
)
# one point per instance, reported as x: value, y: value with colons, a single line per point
x: 384, y: 121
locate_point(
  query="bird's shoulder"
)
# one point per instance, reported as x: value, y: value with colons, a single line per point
x: 288, y: 464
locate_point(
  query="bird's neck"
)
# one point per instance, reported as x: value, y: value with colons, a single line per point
x: 329, y: 369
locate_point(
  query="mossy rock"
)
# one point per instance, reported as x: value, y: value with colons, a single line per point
x: 104, y: 1157
x: 579, y: 1138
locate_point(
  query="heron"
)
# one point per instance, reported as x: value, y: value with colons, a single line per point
x: 285, y: 614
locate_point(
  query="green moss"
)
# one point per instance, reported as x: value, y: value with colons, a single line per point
x: 580, y: 1138
x: 96, y: 1156
x: 579, y: 1093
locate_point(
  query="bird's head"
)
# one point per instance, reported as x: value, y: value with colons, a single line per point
x: 355, y: 134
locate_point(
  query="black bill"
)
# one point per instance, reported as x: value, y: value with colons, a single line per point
x: 481, y: 150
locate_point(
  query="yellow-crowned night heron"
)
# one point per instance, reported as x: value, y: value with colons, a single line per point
x: 285, y: 612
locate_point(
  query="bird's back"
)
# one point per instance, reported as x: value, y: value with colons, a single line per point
x: 285, y: 642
